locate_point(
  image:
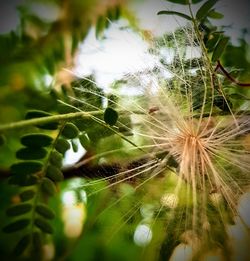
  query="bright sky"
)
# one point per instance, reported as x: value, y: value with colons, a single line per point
x: 124, y: 51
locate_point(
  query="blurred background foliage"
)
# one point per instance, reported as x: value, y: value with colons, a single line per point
x: 32, y: 76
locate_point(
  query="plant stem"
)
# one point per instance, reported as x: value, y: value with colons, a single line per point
x: 219, y: 66
x: 47, y: 119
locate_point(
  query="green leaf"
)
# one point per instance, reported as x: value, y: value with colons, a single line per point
x: 2, y: 140
x: 31, y: 154
x: 45, y: 211
x: 184, y: 2
x: 22, y: 245
x: 54, y: 173
x: 38, y: 114
x: 100, y: 26
x: 48, y: 126
x: 48, y: 187
x: 239, y: 96
x: 70, y: 131
x: 62, y: 145
x: 56, y: 158
x: 212, y: 41
x: 37, y: 241
x: 84, y: 140
x: 219, y: 49
x: 23, y: 180
x: 18, y: 209
x: 16, y: 226
x: 26, y: 167
x: 204, y: 9
x: 36, y: 140
x: 223, y: 104
x: 27, y: 195
x: 215, y: 15
x: 74, y: 145
x: 110, y: 116
x: 175, y: 13
x: 43, y: 225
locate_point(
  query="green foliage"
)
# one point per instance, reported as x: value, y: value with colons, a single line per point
x: 22, y: 244
x: 110, y: 116
x: 219, y: 48
x: 54, y: 173
x: 70, y: 131
x: 45, y: 211
x: 27, y: 195
x: 16, y: 225
x: 43, y: 225
x: 36, y: 140
x: 62, y: 145
x: 175, y: 13
x: 26, y: 167
x: 31, y: 154
x: 184, y: 2
x: 204, y: 10
x: 48, y: 187
x: 2, y: 140
x: 18, y: 209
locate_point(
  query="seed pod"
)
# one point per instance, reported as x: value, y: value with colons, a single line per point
x: 48, y: 187
x: 36, y: 140
x: 45, y: 211
x: 22, y: 245
x: 27, y: 195
x: 56, y: 158
x: 54, y: 173
x: 70, y: 131
x: 31, y: 153
x: 16, y: 226
x: 26, y: 167
x: 44, y: 225
x: 62, y: 145
x: 18, y: 209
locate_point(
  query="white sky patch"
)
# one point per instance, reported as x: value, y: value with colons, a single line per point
x: 72, y: 157
x: 123, y: 51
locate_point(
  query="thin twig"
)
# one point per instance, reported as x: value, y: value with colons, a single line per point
x: 219, y: 66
